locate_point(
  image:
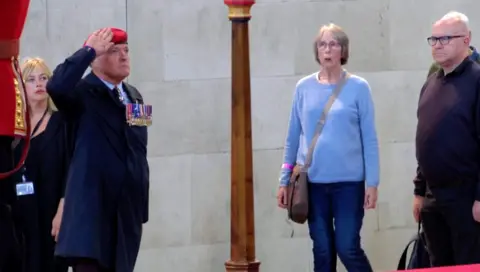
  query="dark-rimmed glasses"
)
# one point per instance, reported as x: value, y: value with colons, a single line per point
x: 444, y: 40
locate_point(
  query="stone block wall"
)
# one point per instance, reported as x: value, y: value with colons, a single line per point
x: 180, y: 54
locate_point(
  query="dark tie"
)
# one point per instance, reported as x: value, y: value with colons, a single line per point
x: 119, y: 93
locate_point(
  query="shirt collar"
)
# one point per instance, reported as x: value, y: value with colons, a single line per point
x: 112, y: 86
x: 458, y: 70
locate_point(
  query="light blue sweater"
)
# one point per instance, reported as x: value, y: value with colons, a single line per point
x: 347, y: 149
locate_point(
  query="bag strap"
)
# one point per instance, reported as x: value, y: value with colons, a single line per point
x: 323, y: 118
x: 402, y: 263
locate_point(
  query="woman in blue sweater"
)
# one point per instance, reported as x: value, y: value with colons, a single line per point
x: 344, y: 172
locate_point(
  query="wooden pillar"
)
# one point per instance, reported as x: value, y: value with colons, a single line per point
x: 242, y: 224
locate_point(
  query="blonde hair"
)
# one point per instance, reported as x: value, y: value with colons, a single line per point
x: 339, y: 35
x: 29, y: 65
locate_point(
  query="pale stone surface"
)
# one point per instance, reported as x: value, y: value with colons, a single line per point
x: 137, y: 17
x: 210, y: 199
x: 185, y: 259
x: 413, y: 21
x: 180, y: 52
x: 191, y: 53
x: 395, y: 94
x: 191, y: 116
x: 396, y: 189
x: 59, y: 28
x: 170, y: 218
x: 277, y: 49
x: 271, y: 105
x: 366, y: 23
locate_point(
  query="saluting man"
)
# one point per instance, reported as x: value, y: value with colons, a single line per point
x: 106, y: 199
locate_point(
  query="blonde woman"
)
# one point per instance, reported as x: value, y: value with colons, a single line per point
x: 46, y: 166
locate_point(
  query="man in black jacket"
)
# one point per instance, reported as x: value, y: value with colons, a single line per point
x: 472, y: 52
x: 447, y: 187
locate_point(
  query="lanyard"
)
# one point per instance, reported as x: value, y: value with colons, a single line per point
x: 35, y: 129
x: 37, y: 126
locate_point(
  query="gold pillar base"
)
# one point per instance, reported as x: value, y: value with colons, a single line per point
x: 232, y: 266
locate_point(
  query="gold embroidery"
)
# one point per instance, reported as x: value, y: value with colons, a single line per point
x: 20, y: 121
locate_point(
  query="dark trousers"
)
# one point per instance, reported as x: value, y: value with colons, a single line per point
x: 451, y: 232
x: 87, y: 265
x: 10, y: 254
x: 335, y: 219
x: 10, y: 247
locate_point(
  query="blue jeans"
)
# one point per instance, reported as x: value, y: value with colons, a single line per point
x: 335, y: 219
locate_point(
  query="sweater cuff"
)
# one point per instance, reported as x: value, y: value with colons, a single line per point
x: 373, y: 184
x: 285, y: 175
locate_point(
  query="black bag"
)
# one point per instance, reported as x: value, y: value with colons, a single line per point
x: 419, y: 257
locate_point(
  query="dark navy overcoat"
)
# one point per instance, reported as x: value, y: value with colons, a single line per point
x: 106, y: 198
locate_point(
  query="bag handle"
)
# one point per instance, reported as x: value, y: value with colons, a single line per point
x: 402, y: 263
x: 323, y: 118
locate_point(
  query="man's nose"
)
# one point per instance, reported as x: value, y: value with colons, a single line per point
x: 438, y: 45
x: 123, y: 55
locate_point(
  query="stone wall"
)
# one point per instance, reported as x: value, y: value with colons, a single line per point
x: 180, y: 52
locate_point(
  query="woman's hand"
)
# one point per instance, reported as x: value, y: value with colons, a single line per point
x: 282, y: 197
x: 57, y: 221
x: 282, y: 191
x: 371, y: 195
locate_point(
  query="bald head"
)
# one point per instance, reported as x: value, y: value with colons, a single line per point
x: 450, y: 39
x: 454, y: 16
x: 454, y: 21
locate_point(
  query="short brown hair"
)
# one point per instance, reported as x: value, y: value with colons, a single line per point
x: 340, y: 36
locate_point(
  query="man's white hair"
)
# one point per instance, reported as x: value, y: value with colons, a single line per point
x: 457, y: 16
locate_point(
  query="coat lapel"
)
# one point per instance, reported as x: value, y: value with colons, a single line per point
x: 100, y: 89
x: 106, y: 106
x: 132, y: 93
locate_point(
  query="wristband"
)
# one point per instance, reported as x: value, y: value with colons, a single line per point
x: 287, y: 166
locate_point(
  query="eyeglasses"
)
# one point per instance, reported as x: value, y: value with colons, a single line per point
x: 331, y: 45
x: 444, y: 40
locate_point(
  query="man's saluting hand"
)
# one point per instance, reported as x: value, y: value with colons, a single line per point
x: 100, y: 41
